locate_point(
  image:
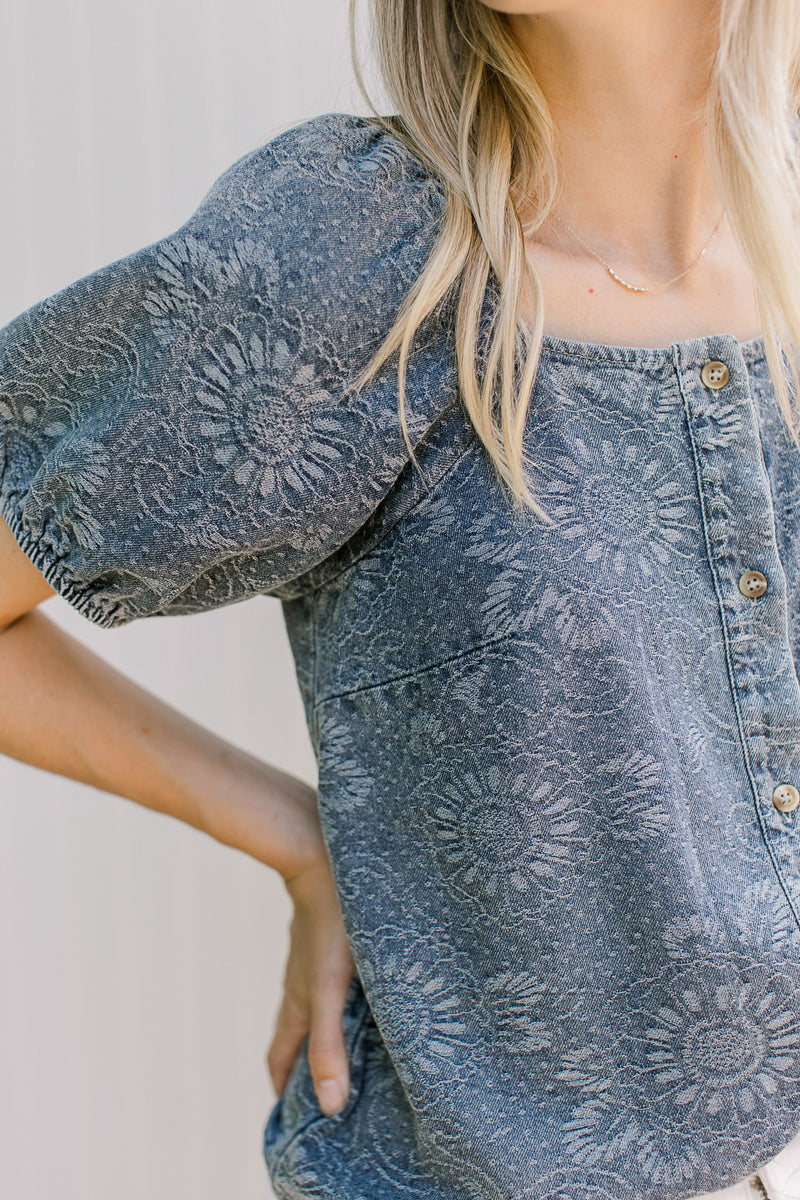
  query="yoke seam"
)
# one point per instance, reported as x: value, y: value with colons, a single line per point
x: 440, y: 662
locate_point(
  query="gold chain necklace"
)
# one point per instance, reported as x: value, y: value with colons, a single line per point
x: 631, y: 287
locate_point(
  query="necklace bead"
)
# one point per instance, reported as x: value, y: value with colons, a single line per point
x: 630, y: 286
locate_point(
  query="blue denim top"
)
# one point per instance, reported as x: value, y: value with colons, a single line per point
x: 547, y: 755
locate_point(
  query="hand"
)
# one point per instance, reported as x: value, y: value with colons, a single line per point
x: 319, y: 969
x: 274, y: 817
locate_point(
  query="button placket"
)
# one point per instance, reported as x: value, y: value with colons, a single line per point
x: 742, y: 551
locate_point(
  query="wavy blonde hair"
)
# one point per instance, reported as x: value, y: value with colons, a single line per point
x: 469, y: 107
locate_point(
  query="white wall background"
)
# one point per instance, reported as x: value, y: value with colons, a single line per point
x: 141, y: 962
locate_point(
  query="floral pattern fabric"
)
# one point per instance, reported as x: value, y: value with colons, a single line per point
x: 546, y: 754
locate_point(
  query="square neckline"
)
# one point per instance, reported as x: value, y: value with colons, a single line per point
x: 686, y: 352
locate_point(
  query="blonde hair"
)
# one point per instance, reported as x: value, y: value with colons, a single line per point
x: 469, y: 107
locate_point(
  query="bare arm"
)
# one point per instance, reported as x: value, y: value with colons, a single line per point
x: 64, y: 709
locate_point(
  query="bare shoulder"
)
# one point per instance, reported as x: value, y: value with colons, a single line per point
x: 22, y: 586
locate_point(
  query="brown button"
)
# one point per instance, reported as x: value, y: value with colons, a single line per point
x: 715, y: 375
x: 785, y: 797
x: 753, y: 583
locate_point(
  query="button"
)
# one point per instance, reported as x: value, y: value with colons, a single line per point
x: 785, y: 797
x: 715, y: 375
x: 753, y: 583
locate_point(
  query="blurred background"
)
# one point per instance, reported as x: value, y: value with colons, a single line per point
x: 141, y: 962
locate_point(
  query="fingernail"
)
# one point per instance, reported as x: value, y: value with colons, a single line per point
x: 331, y: 1096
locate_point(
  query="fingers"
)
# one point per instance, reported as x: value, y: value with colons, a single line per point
x: 327, y: 1053
x: 319, y: 971
x: 291, y: 1027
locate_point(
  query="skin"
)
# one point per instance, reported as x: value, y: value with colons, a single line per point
x: 625, y: 81
x: 64, y: 709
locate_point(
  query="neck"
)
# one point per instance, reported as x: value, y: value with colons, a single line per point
x: 625, y: 82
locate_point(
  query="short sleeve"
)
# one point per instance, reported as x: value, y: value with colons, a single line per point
x: 176, y: 430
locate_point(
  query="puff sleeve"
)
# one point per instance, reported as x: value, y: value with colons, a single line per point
x: 175, y: 428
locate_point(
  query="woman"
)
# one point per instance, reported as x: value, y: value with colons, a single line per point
x: 545, y: 615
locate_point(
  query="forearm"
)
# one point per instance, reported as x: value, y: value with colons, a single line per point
x: 65, y: 710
